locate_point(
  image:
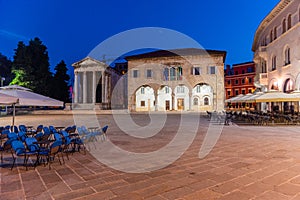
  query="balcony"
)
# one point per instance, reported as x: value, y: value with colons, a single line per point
x: 261, y: 52
x: 263, y: 78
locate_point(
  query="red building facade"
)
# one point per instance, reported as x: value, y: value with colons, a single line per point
x: 239, y: 79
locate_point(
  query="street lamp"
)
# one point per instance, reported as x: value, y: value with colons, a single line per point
x: 2, y: 80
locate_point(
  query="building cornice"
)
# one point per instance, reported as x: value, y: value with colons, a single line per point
x: 265, y: 22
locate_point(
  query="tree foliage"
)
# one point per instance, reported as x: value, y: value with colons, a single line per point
x: 31, y: 67
x: 60, y: 82
x: 5, y: 69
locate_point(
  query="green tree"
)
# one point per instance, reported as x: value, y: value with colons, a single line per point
x: 60, y: 82
x: 5, y: 70
x: 31, y: 67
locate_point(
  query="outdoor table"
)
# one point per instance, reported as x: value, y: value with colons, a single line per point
x: 92, y: 129
x: 59, y: 128
x: 44, y: 143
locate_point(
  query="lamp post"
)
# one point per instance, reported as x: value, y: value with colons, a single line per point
x: 2, y: 80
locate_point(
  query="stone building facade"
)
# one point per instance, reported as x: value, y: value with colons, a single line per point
x: 277, y: 53
x: 276, y: 48
x: 239, y: 79
x: 94, y: 82
x: 183, y: 79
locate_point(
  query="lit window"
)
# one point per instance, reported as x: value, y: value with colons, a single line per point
x: 195, y: 102
x: 206, y: 101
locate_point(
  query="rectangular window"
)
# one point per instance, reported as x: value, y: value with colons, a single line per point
x: 143, y: 104
x: 149, y: 73
x: 236, y: 92
x: 249, y: 69
x: 250, y: 80
x: 198, y: 89
x: 212, y: 70
x: 172, y: 74
x: 142, y: 90
x: 135, y: 73
x: 236, y: 81
x: 243, y: 91
x: 180, y: 89
x: 249, y: 90
x: 196, y: 71
x: 166, y: 74
x: 167, y: 90
x: 179, y: 73
x: 228, y: 92
x: 228, y: 82
x: 243, y: 81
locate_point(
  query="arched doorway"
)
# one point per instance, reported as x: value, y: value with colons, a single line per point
x: 144, y: 99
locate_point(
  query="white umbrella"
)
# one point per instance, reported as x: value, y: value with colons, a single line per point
x: 27, y: 98
x: 7, y: 99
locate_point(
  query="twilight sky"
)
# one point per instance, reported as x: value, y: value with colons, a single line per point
x: 72, y: 28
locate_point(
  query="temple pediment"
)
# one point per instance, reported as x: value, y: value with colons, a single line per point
x: 89, y: 62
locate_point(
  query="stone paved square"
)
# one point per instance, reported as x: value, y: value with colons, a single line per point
x: 247, y: 162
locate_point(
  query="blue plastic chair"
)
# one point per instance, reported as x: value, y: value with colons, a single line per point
x: 19, y: 150
x: 50, y: 154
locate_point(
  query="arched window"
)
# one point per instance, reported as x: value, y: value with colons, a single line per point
x: 271, y: 36
x: 288, y: 86
x: 289, y: 25
x: 274, y: 60
x: 287, y: 57
x: 195, y: 101
x: 206, y: 101
x: 283, y: 26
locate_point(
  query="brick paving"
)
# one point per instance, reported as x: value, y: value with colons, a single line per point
x: 248, y: 162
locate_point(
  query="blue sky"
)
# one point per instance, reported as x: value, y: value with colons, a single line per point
x: 72, y: 28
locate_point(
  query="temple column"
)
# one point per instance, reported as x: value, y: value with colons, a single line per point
x: 173, y: 101
x: 190, y: 100
x: 94, y: 87
x: 156, y: 99
x: 103, y: 87
x: 76, y: 88
x: 106, y: 86
x: 84, y: 87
